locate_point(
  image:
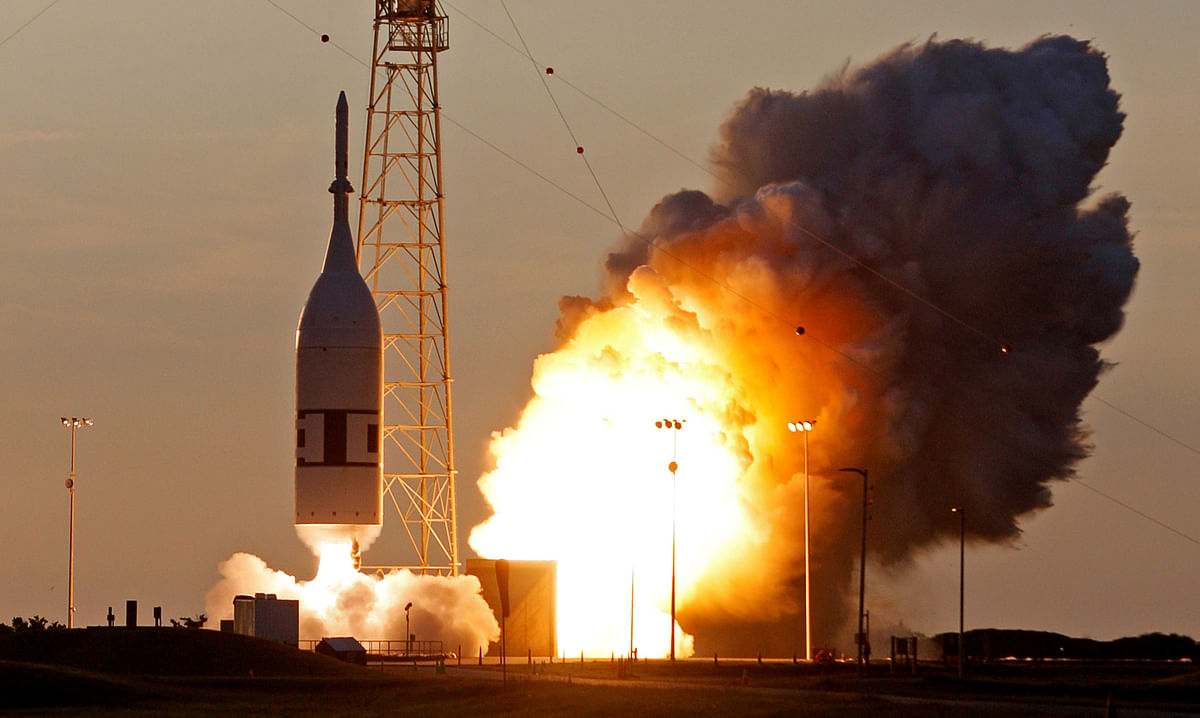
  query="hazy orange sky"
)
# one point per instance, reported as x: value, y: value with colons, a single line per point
x: 165, y: 213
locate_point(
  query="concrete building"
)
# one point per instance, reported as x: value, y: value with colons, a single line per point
x: 532, y: 601
x: 265, y: 616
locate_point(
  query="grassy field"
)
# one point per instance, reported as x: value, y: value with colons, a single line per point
x: 180, y: 672
x: 49, y: 691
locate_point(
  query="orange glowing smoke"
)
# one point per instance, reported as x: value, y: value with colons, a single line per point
x: 583, y: 477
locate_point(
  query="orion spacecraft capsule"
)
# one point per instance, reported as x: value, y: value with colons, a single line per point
x: 339, y: 379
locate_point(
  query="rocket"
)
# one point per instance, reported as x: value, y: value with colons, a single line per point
x: 339, y: 379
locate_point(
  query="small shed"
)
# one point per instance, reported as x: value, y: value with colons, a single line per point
x: 344, y: 649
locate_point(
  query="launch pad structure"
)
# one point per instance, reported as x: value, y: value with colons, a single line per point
x: 402, y: 257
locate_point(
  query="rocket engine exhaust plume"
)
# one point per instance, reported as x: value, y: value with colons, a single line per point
x: 316, y: 536
x: 949, y: 342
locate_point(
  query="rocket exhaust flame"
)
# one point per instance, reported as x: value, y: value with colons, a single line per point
x: 957, y: 171
x: 317, y: 536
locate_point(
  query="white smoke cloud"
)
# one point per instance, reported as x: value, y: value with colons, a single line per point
x: 340, y: 601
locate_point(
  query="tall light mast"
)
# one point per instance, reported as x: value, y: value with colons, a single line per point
x: 402, y: 256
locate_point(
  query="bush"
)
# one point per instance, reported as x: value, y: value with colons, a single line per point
x: 185, y: 622
x: 37, y: 623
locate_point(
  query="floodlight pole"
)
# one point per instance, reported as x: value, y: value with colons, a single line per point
x: 632, y: 573
x: 962, y: 543
x: 73, y: 423
x: 674, y: 425
x: 673, y: 466
x: 861, y: 639
x: 806, y: 427
x: 407, y: 632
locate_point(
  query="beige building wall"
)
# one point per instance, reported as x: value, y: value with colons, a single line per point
x: 532, y: 595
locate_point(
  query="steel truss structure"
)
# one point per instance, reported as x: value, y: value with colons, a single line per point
x: 402, y: 257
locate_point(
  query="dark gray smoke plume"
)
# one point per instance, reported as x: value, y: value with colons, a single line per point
x: 962, y: 173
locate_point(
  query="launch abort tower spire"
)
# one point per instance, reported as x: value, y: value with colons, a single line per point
x: 401, y: 251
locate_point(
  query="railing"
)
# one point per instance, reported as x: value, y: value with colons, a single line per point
x: 419, y: 34
x: 393, y: 649
x: 403, y: 650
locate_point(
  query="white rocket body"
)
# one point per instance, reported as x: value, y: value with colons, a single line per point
x: 339, y: 380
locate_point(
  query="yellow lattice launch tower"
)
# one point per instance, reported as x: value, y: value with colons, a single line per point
x: 402, y: 256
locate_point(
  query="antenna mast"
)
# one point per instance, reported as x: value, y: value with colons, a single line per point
x: 402, y: 255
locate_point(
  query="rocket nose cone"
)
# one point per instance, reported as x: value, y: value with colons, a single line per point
x: 340, y: 312
x: 340, y: 255
x: 341, y: 103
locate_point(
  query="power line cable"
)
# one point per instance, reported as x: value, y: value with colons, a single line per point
x: 1143, y: 514
x: 578, y: 147
x: 28, y: 22
x: 511, y: 158
x: 314, y: 31
x: 1146, y: 424
x: 584, y: 93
